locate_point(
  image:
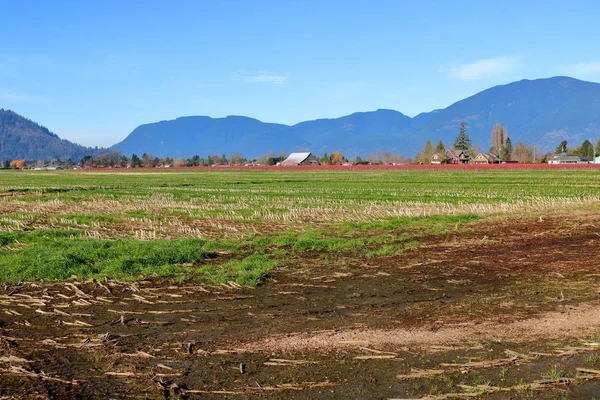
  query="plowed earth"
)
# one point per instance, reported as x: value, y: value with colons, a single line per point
x: 487, y: 312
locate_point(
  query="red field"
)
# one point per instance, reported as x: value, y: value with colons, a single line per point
x: 416, y: 167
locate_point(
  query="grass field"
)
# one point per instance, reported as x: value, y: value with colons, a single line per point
x: 243, y: 259
x: 57, y: 225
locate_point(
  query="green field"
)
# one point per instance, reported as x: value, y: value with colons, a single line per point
x: 300, y: 284
x: 134, y: 224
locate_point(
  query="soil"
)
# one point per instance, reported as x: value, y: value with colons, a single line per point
x: 328, y: 326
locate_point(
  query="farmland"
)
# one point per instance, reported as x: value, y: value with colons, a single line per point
x: 300, y: 283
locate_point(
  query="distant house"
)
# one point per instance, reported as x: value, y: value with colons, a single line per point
x: 565, y: 158
x: 597, y: 160
x: 458, y: 157
x: 295, y: 159
x: 486, y: 158
x: 438, y: 158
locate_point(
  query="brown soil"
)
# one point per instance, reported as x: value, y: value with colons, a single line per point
x: 518, y: 283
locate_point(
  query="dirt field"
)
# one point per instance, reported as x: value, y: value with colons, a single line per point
x: 509, y: 308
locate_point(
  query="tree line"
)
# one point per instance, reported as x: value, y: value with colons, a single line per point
x: 503, y: 148
x: 115, y: 159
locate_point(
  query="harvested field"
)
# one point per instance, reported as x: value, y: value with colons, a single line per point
x: 368, y: 284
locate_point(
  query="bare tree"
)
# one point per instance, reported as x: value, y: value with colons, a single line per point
x: 499, y: 138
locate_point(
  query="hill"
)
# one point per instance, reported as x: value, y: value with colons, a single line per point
x: 21, y: 138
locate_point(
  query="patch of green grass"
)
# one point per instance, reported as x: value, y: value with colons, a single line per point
x: 446, y: 380
x: 523, y: 386
x: 41, y: 235
x: 311, y: 240
x: 285, y: 239
x: 251, y: 271
x: 88, y: 218
x: 593, y: 358
x: 434, y: 223
x: 314, y: 241
x: 138, y: 214
x: 385, y: 251
x: 552, y: 373
x: 379, y: 239
x: 64, y: 258
x: 503, y: 372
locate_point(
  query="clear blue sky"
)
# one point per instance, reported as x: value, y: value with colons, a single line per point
x: 92, y: 71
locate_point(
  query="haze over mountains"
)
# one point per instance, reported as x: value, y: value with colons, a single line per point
x: 538, y: 112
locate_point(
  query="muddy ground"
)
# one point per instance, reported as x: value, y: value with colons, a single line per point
x: 509, y: 308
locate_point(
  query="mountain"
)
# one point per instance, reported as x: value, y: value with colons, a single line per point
x: 21, y: 138
x: 352, y: 134
x: 356, y: 133
x: 538, y: 112
x: 187, y: 136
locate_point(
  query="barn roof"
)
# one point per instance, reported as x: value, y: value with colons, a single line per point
x: 566, y: 157
x: 295, y: 158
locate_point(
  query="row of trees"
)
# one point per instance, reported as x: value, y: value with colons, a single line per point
x: 501, y: 144
x: 115, y: 159
x: 586, y: 150
x: 503, y: 148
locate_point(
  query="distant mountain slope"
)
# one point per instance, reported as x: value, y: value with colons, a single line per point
x: 21, y: 138
x: 352, y: 134
x: 541, y: 112
x: 357, y: 133
x: 187, y: 136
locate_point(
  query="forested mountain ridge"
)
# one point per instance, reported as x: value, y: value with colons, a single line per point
x: 539, y: 112
x: 21, y: 138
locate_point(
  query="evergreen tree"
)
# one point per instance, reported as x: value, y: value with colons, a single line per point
x: 440, y: 147
x: 194, y: 161
x: 325, y: 160
x: 507, y: 150
x: 462, y: 141
x: 135, y: 161
x: 562, y: 147
x: 587, y: 150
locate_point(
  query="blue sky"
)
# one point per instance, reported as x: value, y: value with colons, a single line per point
x: 92, y: 71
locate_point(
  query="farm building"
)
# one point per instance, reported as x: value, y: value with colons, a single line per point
x: 458, y: 157
x: 564, y: 158
x: 486, y: 158
x: 438, y: 158
x: 300, y: 159
x: 597, y: 160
